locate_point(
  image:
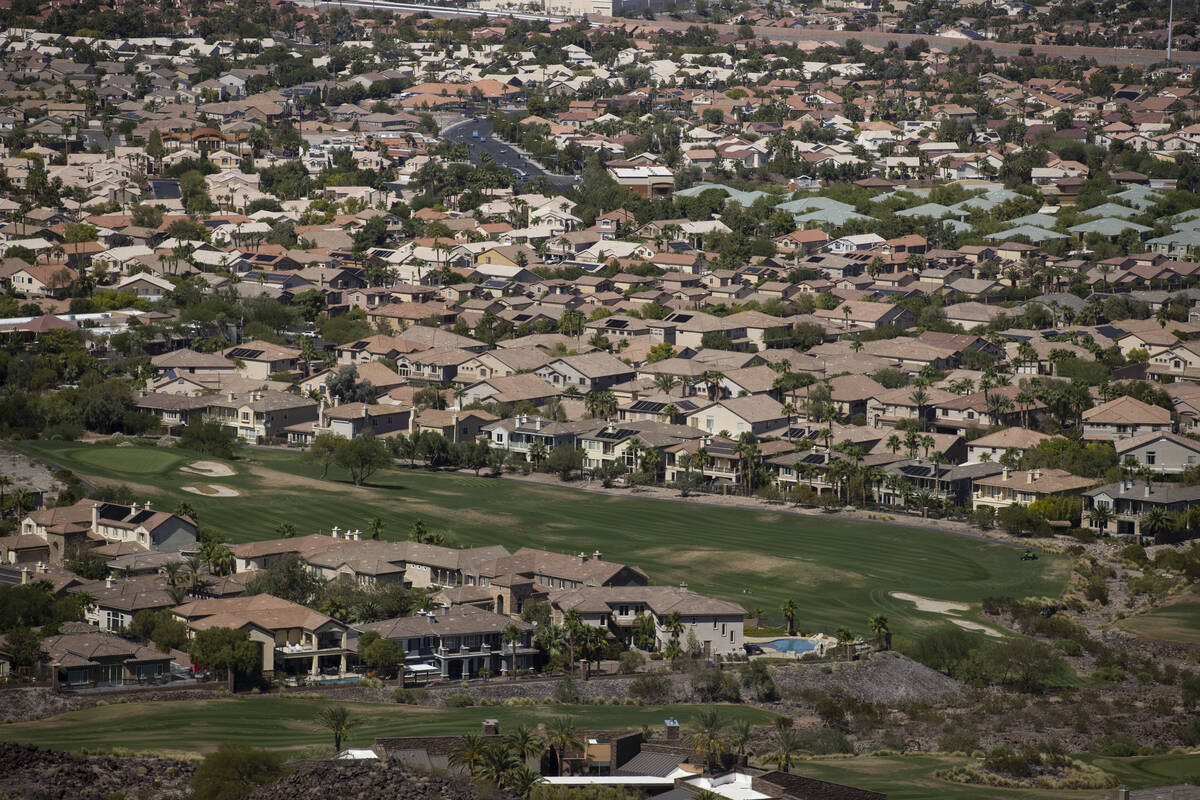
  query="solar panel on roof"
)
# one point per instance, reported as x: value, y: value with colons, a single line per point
x: 245, y: 352
x: 618, y: 323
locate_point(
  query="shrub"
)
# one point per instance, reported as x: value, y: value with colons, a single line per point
x: 651, y: 687
x: 958, y: 742
x: 711, y: 685
x: 566, y: 691
x: 826, y: 742
x: 233, y: 771
x: 459, y: 700
x: 631, y: 662
x: 1118, y: 746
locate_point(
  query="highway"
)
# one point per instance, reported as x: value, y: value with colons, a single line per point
x: 502, y: 153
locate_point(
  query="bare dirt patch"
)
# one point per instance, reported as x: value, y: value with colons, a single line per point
x: 929, y: 604
x: 211, y: 469
x: 210, y: 490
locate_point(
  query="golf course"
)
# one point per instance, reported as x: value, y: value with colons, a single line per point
x: 1175, y: 621
x: 287, y: 724
x: 838, y: 572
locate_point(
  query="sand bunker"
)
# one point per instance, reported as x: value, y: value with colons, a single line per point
x: 975, y: 626
x: 210, y: 490
x: 212, y: 469
x: 926, y: 604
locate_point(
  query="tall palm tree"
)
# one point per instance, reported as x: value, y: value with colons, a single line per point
x: 709, y: 737
x: 740, y: 734
x: 1156, y: 522
x: 673, y: 625
x: 563, y: 736
x: 375, y: 526
x: 894, y: 443
x: 783, y: 748
x: 879, y: 626
x: 537, y: 453
x: 21, y: 500
x: 173, y: 571
x: 337, y: 720
x: 789, y: 609
x: 920, y: 398
x: 512, y: 636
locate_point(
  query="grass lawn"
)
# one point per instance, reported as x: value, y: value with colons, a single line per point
x: 286, y: 723
x: 1178, y: 621
x: 838, y: 572
x: 911, y: 777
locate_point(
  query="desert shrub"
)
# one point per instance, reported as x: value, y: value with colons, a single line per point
x: 756, y: 677
x: 825, y: 742
x: 411, y: 697
x: 233, y: 771
x: 567, y: 691
x: 651, y: 687
x: 958, y: 742
x: 711, y: 685
x: 1118, y: 746
x: 630, y: 662
x: 459, y: 700
x: 1008, y: 762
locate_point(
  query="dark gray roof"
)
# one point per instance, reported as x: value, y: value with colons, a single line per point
x: 657, y: 764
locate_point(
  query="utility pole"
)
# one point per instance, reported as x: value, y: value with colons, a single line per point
x: 1170, y: 29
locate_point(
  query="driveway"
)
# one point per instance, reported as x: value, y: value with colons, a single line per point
x: 502, y: 153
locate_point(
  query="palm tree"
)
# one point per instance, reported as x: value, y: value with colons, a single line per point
x: 879, y: 626
x: 375, y: 526
x: 1155, y: 522
x: 495, y: 764
x: 467, y: 751
x: 512, y: 636
x: 937, y: 458
x: 789, y: 609
x: 920, y: 398
x: 923, y: 500
x: 740, y: 734
x: 525, y: 743
x: 22, y: 498
x: 783, y: 746
x: 173, y: 570
x: 178, y: 594
x: 337, y: 720
x: 562, y: 735
x: 522, y: 780
x: 673, y: 625
x: 709, y: 739
x: 893, y: 442
x: 1100, y: 516
x: 5, y: 482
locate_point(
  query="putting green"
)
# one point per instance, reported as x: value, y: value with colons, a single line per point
x: 131, y: 460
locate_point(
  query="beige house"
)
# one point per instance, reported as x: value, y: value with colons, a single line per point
x: 994, y: 445
x: 1025, y: 486
x: 755, y: 414
x: 261, y: 360
x: 292, y: 638
x: 1122, y: 417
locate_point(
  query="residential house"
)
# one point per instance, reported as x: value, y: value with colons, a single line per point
x: 1159, y: 451
x: 1128, y: 502
x: 1122, y: 417
x: 1025, y: 487
x: 457, y: 643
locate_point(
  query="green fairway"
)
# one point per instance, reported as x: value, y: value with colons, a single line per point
x: 839, y: 572
x: 286, y: 723
x: 1178, y: 621
x: 910, y: 777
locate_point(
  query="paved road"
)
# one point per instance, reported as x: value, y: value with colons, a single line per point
x: 502, y: 153
x: 1103, y: 55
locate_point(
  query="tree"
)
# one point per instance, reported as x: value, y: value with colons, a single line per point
x: 209, y: 437
x: 323, y: 450
x: 24, y: 647
x: 525, y: 743
x: 362, y: 456
x: 789, y: 613
x: 708, y: 739
x: 337, y: 720
x: 783, y: 748
x: 384, y: 654
x: 233, y: 771
x: 879, y: 626
x: 565, y: 460
x: 562, y: 736
x: 345, y: 387
x: 1156, y: 522
x: 468, y: 751
x: 287, y: 577
x: 512, y: 636
x: 1100, y: 516
x: 495, y: 764
x: 224, y: 649
x: 375, y: 526
x: 285, y: 530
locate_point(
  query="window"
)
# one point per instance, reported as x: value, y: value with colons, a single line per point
x: 1151, y: 457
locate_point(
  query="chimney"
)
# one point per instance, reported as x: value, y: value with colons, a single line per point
x: 357, y: 534
x: 672, y: 726
x: 108, y: 582
x: 334, y: 532
x: 231, y: 397
x: 365, y: 407
x: 595, y: 555
x: 1149, y: 489
x: 95, y: 516
x: 24, y: 575
x: 582, y: 557
x: 1029, y: 476
x: 1123, y: 793
x: 683, y: 587
x: 538, y: 424
x: 1007, y: 474
x: 148, y: 506
x: 491, y: 727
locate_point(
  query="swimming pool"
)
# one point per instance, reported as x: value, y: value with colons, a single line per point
x: 792, y: 645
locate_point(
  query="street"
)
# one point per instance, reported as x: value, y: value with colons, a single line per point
x: 502, y: 153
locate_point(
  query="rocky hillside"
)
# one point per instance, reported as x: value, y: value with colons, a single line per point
x: 367, y: 780
x: 29, y: 772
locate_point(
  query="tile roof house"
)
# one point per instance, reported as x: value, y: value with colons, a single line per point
x: 457, y: 642
x: 1130, y: 500
x: 82, y: 656
x: 1122, y: 417
x: 1025, y: 487
x: 1160, y: 451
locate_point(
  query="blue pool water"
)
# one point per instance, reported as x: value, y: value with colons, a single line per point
x: 792, y: 645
